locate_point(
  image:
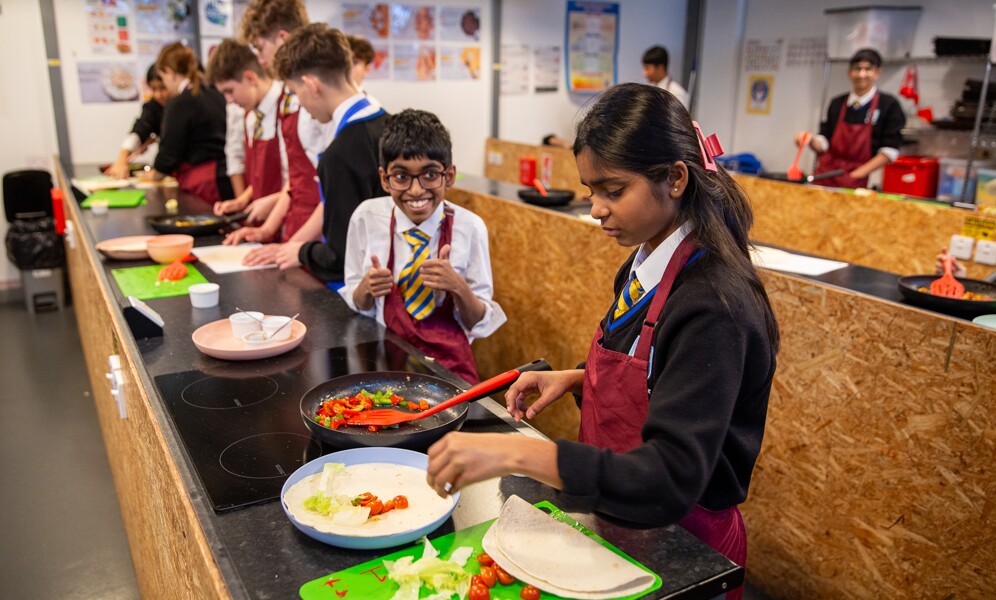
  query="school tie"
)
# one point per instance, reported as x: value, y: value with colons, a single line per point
x: 629, y: 296
x: 257, y: 130
x: 419, y: 301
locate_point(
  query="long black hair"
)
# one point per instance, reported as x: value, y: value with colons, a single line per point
x: 645, y: 130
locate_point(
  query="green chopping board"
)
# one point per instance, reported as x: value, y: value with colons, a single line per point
x: 369, y: 581
x: 140, y: 282
x: 116, y: 198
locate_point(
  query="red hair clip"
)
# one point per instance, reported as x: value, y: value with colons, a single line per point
x: 710, y: 148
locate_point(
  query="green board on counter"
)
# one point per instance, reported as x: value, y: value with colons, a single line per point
x: 143, y: 282
x: 116, y: 198
x: 368, y: 581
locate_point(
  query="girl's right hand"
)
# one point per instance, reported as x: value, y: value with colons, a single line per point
x: 378, y: 281
x: 957, y: 269
x: 550, y: 385
x: 119, y: 170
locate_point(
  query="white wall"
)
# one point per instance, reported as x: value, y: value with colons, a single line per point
x: 463, y: 106
x: 26, y: 117
x: 796, y: 100
x: 528, y: 117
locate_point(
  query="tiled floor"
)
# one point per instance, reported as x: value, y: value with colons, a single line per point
x: 62, y: 531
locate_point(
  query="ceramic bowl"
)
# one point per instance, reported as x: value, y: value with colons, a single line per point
x: 245, y: 322
x: 256, y: 339
x: 204, y: 295
x: 165, y: 249
x: 274, y: 324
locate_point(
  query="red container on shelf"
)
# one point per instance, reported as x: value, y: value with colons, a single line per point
x: 911, y: 175
x: 527, y: 170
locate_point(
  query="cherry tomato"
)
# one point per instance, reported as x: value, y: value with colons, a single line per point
x: 389, y: 506
x: 479, y: 592
x: 529, y: 593
x: 484, y: 559
x: 503, y: 577
x: 476, y: 580
x: 376, y: 507
x: 488, y: 575
x: 400, y: 502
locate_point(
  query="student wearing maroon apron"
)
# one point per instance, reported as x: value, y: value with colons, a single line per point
x: 192, y: 148
x: 236, y: 73
x: 863, y: 129
x: 434, y: 288
x: 674, y: 392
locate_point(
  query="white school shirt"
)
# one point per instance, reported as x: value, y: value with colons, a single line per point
x: 675, y: 88
x: 369, y: 230
x: 314, y: 136
x: 268, y: 106
x: 235, y: 149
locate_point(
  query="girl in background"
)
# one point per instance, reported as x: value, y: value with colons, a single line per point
x: 146, y: 129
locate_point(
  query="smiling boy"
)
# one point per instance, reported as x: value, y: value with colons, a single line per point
x: 418, y: 265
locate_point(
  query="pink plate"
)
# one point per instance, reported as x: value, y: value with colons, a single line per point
x: 216, y: 339
x: 125, y: 248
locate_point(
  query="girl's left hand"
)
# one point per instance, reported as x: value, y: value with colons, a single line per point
x: 438, y: 273
x: 286, y: 256
x: 460, y: 459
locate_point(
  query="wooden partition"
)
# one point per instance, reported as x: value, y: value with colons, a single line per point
x: 501, y: 162
x: 876, y: 475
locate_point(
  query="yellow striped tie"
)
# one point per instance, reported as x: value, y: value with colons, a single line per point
x: 419, y: 300
x: 629, y: 296
x: 257, y: 130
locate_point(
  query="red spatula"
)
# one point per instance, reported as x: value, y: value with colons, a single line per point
x: 947, y: 285
x: 794, y: 172
x: 384, y: 417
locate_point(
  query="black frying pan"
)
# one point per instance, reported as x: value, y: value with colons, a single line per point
x: 968, y: 309
x: 194, y: 224
x: 553, y: 197
x: 805, y: 179
x: 413, y: 387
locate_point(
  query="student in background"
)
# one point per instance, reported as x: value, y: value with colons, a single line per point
x: 236, y: 73
x: 315, y: 64
x: 434, y: 287
x: 363, y: 56
x: 674, y: 391
x: 655, y: 61
x: 146, y: 129
x: 192, y: 148
x: 235, y: 150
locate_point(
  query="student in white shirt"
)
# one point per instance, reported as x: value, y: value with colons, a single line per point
x: 655, y: 61
x: 418, y: 265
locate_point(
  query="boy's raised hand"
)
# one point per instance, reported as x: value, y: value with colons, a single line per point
x: 378, y: 281
x: 438, y: 273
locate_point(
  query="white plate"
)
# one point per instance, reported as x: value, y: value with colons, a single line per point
x: 125, y: 248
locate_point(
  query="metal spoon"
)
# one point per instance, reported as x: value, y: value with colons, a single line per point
x: 249, y: 315
x: 277, y: 330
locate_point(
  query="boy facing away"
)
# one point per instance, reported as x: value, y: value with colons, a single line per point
x: 418, y: 265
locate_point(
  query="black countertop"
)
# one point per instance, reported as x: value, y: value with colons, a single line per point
x: 259, y: 552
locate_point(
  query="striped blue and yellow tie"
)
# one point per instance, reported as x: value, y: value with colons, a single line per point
x: 257, y: 130
x: 419, y: 300
x: 630, y: 295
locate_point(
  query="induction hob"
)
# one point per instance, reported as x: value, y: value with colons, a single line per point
x: 240, y: 423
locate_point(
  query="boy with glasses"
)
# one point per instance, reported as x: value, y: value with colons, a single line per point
x: 418, y: 265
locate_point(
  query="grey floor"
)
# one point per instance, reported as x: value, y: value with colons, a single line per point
x: 62, y: 535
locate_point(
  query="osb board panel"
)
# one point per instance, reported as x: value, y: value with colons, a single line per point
x: 170, y: 553
x: 875, y: 478
x: 564, y: 171
x: 553, y: 277
x: 898, y: 236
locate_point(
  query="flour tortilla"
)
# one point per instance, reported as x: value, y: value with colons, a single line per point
x: 556, y: 558
x: 383, y: 480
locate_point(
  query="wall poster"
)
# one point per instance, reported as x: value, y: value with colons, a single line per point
x: 514, y: 69
x: 104, y: 82
x: 592, y: 45
x: 546, y: 68
x: 107, y: 24
x: 759, y: 94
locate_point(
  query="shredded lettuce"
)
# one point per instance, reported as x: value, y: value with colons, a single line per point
x: 444, y: 577
x: 325, y: 502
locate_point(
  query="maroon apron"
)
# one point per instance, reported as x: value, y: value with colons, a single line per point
x: 301, y: 173
x: 438, y: 335
x: 263, y: 163
x: 614, y: 408
x: 200, y: 180
x: 850, y: 147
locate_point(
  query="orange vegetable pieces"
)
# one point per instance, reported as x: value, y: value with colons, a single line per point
x: 174, y: 271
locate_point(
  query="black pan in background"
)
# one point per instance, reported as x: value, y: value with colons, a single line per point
x: 553, y: 197
x: 805, y: 178
x: 194, y: 224
x: 966, y: 309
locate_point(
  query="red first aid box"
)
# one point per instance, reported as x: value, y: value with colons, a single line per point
x: 527, y: 170
x: 911, y: 175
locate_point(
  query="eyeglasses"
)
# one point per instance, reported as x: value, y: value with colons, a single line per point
x: 429, y: 180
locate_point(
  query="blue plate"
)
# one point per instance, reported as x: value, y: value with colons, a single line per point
x: 359, y: 456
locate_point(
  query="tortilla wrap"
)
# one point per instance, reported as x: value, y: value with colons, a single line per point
x: 556, y: 558
x: 384, y: 480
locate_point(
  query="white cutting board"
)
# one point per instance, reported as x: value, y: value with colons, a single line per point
x: 227, y: 259
x: 779, y: 260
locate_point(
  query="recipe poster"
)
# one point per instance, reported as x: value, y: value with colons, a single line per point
x: 592, y: 45
x: 105, y: 82
x: 107, y: 24
x: 514, y: 69
x: 459, y: 24
x: 409, y: 22
x: 459, y: 63
x: 216, y: 19
x: 372, y: 21
x: 546, y: 68
x: 414, y: 62
x: 380, y: 68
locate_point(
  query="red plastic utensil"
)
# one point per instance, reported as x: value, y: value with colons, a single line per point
x: 384, y: 417
x: 539, y: 187
x: 794, y: 172
x: 946, y: 285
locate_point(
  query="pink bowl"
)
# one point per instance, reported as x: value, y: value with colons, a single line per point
x: 165, y: 249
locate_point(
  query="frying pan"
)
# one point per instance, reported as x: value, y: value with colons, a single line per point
x: 194, y: 224
x: 553, y: 197
x: 413, y: 387
x: 968, y: 309
x: 805, y: 179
